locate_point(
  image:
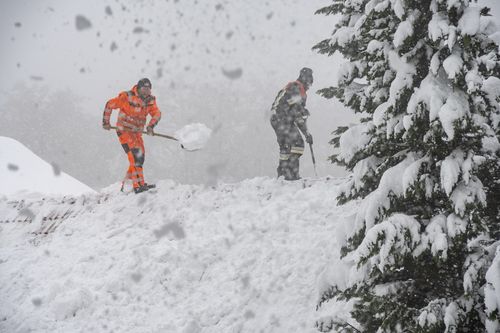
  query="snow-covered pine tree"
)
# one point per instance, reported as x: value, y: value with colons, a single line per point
x: 423, y: 75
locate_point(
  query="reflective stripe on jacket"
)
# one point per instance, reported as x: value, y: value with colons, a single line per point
x: 133, y: 111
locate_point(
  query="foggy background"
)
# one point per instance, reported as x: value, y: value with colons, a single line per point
x: 220, y: 63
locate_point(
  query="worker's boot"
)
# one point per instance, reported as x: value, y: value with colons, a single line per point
x: 143, y: 188
x: 139, y: 189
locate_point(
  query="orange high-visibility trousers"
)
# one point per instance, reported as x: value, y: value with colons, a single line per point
x: 134, y: 148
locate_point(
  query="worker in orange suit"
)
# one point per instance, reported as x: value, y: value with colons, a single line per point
x: 134, y: 105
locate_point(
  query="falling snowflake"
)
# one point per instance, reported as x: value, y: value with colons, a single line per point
x: 82, y: 23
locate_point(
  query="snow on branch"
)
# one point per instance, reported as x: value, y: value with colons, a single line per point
x: 453, y: 65
x: 450, y: 170
x: 469, y: 22
x: 432, y: 314
x: 396, y: 236
x: 411, y: 173
x: 464, y: 195
x: 405, y: 29
x: 492, y: 294
x: 438, y: 26
x: 390, y: 183
x: 450, y: 106
x: 342, y: 36
x: 353, y: 140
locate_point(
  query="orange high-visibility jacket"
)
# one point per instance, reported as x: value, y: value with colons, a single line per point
x: 133, y: 111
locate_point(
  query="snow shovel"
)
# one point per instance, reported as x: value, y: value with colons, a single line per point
x: 158, y: 134
x: 313, y: 159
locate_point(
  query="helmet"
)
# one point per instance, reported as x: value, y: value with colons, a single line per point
x: 144, y: 83
x: 306, y: 76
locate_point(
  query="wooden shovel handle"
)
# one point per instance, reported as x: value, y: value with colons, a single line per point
x: 154, y: 134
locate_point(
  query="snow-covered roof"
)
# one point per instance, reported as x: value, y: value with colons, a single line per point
x: 23, y: 171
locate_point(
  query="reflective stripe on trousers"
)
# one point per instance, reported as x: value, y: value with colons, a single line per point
x: 134, y: 148
x: 284, y: 157
x: 297, y: 150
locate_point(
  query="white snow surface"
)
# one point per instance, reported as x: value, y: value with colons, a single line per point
x: 343, y: 36
x: 469, y: 22
x: 392, y: 228
x: 22, y: 172
x: 398, y: 7
x: 193, y: 136
x: 443, y: 103
x: 404, y: 30
x: 453, y: 65
x: 395, y: 180
x: 244, y: 257
x: 438, y: 26
x: 492, y: 292
x: 353, y: 140
x: 451, y: 316
x: 450, y: 170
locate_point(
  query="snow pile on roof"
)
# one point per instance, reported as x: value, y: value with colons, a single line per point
x: 22, y: 170
x: 245, y: 257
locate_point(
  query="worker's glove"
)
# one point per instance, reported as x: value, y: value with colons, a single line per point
x: 107, y: 127
x: 149, y: 130
x: 309, y: 138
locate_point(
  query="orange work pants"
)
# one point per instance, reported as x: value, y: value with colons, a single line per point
x: 134, y: 148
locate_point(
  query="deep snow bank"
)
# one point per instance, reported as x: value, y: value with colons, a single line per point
x: 239, y: 257
x: 22, y: 170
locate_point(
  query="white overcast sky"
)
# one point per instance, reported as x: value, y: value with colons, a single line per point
x: 187, y: 40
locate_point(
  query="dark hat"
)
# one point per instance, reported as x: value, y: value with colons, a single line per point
x: 306, y: 76
x: 306, y: 73
x: 144, y: 83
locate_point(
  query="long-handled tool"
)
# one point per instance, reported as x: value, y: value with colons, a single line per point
x: 160, y: 135
x: 313, y: 159
x: 154, y: 134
